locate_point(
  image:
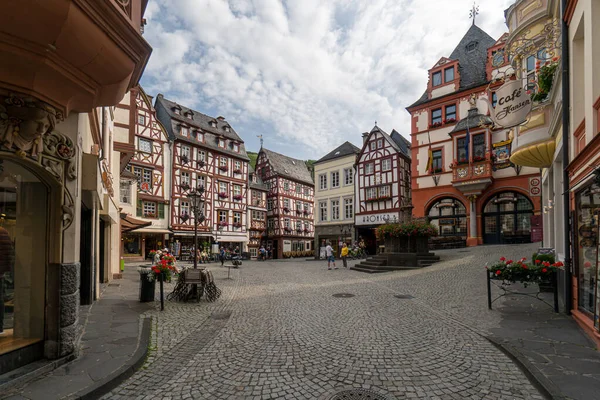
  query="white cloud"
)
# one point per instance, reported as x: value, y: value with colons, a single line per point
x: 306, y: 74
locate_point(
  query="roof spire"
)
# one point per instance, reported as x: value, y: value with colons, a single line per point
x: 473, y: 13
x: 376, y: 123
x: 261, y: 140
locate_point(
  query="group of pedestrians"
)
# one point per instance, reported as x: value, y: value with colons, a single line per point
x: 329, y: 252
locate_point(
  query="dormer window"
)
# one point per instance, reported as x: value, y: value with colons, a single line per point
x: 226, y: 128
x: 176, y: 110
x: 213, y: 124
x: 436, y: 78
x: 189, y: 114
x: 236, y: 147
x: 222, y: 143
x: 185, y: 131
x: 449, y: 74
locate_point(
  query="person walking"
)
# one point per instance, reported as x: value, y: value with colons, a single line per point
x: 344, y: 254
x: 222, y: 256
x: 330, y: 256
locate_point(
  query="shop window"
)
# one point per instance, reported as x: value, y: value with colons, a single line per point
x: 450, y: 217
x: 587, y: 206
x: 23, y: 225
x: 253, y: 252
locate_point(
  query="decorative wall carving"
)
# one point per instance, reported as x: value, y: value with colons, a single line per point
x: 24, y: 121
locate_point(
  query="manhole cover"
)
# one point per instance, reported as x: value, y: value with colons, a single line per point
x: 362, y: 394
x: 221, y: 315
x: 343, y: 295
x: 403, y: 296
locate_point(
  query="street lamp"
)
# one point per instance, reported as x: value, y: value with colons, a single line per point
x: 197, y: 203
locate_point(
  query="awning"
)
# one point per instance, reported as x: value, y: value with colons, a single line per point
x: 128, y: 223
x: 150, y: 230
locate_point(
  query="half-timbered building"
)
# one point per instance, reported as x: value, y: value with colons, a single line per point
x: 383, y: 192
x: 290, y: 203
x: 463, y: 178
x: 257, y: 212
x: 144, y: 190
x: 206, y: 152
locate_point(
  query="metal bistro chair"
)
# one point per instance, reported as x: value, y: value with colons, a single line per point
x: 193, y: 278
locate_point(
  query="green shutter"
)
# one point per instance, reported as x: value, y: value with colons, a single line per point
x: 161, y: 210
x: 138, y: 211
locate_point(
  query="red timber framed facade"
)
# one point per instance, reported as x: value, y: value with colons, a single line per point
x: 206, y: 152
x: 290, y: 204
x: 383, y: 192
x: 257, y: 213
x: 144, y: 188
x: 462, y: 178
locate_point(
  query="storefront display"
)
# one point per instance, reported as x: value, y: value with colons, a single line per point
x: 587, y: 233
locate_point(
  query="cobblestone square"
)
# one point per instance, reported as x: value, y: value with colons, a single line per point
x: 278, y: 332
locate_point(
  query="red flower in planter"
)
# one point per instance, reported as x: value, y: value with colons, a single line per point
x: 559, y: 264
x: 498, y: 272
x: 538, y: 261
x: 544, y: 270
x: 509, y: 262
x: 546, y: 264
x: 502, y: 258
x: 524, y: 266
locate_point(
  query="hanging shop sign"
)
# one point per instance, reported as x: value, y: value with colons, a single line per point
x: 513, y: 106
x: 501, y: 155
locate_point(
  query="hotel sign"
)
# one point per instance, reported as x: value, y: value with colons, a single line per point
x: 376, y: 219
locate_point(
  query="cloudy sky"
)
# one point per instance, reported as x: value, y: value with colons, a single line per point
x: 306, y: 74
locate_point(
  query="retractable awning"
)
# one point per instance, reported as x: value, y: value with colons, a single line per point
x: 128, y: 223
x: 150, y: 230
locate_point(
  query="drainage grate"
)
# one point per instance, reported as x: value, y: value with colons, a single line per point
x: 358, y: 394
x: 343, y: 295
x: 114, y: 284
x: 404, y: 296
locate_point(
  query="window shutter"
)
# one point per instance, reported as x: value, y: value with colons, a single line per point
x: 138, y: 211
x: 161, y: 210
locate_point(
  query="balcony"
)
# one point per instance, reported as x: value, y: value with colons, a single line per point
x: 73, y: 54
x: 472, y: 178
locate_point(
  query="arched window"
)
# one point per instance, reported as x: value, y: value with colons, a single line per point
x: 507, y: 219
x: 450, y: 216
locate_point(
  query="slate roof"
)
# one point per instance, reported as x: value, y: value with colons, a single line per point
x: 259, y: 183
x: 396, y: 140
x: 471, y: 64
x: 473, y: 120
x: 288, y: 167
x: 172, y: 122
x: 346, y: 149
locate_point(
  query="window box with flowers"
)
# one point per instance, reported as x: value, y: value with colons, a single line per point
x: 222, y: 195
x: 478, y: 158
x: 184, y: 186
x: 305, y: 212
x: 449, y: 121
x: 435, y: 125
x: 238, y: 197
x: 509, y: 272
x: 237, y: 171
x: 380, y: 198
x: 200, y: 163
x: 286, y: 209
x: 237, y: 224
x: 287, y: 229
x: 184, y: 159
x: 306, y: 230
x: 223, y: 168
x: 224, y: 224
x: 545, y: 78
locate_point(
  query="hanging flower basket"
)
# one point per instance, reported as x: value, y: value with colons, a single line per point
x: 163, y: 269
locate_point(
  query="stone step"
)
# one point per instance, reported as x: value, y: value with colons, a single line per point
x: 368, y: 270
x: 373, y: 262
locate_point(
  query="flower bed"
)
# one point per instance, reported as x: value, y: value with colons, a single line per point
x: 510, y: 271
x: 416, y: 227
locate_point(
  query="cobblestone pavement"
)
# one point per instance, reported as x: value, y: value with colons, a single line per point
x: 278, y: 332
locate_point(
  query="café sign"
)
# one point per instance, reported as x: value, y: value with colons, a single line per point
x: 513, y: 105
x: 376, y: 219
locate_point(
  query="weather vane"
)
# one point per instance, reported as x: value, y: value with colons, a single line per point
x: 375, y: 123
x: 261, y: 140
x: 473, y: 13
